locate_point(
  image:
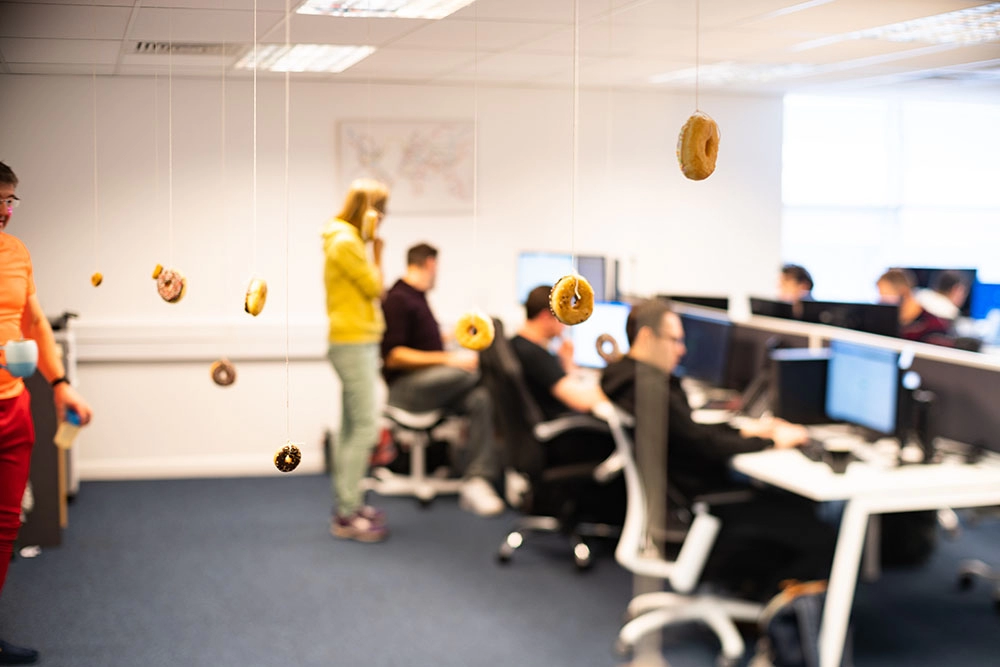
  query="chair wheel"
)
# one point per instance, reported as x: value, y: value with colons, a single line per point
x: 723, y: 661
x: 622, y: 649
x: 583, y: 564
x: 965, y: 581
x: 504, y: 553
x: 581, y: 556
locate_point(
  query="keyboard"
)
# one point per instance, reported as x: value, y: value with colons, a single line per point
x: 813, y: 450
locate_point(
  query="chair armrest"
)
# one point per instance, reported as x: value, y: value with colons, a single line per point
x: 545, y: 431
x: 724, y: 498
x: 608, y: 469
x: 605, y: 409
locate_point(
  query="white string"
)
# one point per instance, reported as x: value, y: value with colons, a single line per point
x: 475, y: 133
x: 608, y: 124
x: 288, y: 384
x: 170, y: 138
x: 576, y: 126
x: 253, y: 253
x: 97, y: 219
x: 697, y: 49
x: 156, y: 145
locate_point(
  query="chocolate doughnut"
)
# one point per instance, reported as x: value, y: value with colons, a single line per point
x: 223, y: 372
x: 287, y: 458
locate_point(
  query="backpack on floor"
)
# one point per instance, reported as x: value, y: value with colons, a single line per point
x: 789, y: 628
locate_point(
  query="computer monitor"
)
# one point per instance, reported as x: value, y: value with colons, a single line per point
x: 707, y: 341
x: 985, y: 298
x: 798, y: 384
x: 862, y: 386
x: 607, y: 318
x: 718, y: 302
x: 876, y: 318
x: 926, y: 277
x: 771, y: 308
x: 545, y: 268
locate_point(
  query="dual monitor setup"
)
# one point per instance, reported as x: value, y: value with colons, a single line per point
x: 845, y: 382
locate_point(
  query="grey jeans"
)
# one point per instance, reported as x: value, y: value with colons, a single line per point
x: 357, y: 367
x: 457, y: 392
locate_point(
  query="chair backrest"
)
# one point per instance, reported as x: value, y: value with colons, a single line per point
x: 634, y: 546
x: 515, y: 411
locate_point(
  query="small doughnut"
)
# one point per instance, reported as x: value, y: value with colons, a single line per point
x: 96, y: 279
x: 171, y: 285
x: 223, y: 372
x: 609, y: 356
x: 287, y: 458
x: 571, y: 299
x: 157, y: 270
x: 474, y: 331
x: 253, y: 303
x: 698, y: 146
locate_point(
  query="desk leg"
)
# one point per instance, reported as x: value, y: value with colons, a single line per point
x: 843, y: 579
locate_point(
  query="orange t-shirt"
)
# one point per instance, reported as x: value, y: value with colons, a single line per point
x: 16, y: 284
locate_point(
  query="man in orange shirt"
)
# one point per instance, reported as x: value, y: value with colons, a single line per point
x: 21, y: 316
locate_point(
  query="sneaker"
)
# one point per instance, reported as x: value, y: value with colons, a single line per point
x: 375, y: 515
x: 357, y: 527
x: 478, y: 496
x: 16, y: 655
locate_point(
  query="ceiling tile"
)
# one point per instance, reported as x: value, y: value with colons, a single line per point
x: 461, y: 35
x: 50, y: 68
x: 310, y: 29
x: 75, y: 51
x: 62, y: 22
x: 199, y: 25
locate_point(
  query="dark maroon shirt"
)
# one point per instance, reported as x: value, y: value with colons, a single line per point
x: 409, y: 322
x: 927, y: 328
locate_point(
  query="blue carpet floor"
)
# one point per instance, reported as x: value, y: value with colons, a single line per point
x: 243, y: 572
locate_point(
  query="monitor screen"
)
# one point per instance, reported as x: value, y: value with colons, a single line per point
x: 771, y: 308
x: 707, y: 341
x: 718, y: 302
x: 545, y: 268
x: 985, y: 298
x: 876, y: 318
x: 927, y: 277
x: 607, y: 318
x: 862, y: 386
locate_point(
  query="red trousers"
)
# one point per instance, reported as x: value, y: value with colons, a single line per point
x: 17, y: 437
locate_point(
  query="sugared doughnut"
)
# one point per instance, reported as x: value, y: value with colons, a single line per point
x: 256, y: 296
x: 223, y: 372
x: 474, y: 331
x: 609, y: 356
x: 171, y: 285
x: 698, y: 146
x: 287, y: 458
x: 96, y: 279
x: 571, y: 299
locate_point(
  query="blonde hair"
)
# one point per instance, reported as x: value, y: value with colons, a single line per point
x: 365, y: 194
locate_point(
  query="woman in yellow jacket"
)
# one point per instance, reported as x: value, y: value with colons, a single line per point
x: 353, y: 289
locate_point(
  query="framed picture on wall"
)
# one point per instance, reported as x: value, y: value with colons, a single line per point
x: 427, y: 164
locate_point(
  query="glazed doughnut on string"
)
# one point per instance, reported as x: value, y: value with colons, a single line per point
x: 571, y: 299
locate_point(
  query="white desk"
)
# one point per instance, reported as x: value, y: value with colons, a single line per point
x: 868, y: 488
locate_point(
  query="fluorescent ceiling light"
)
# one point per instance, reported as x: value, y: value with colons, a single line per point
x: 407, y: 9
x: 732, y: 72
x: 304, y: 57
x: 975, y: 25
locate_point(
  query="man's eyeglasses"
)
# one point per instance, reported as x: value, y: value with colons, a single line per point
x: 10, y: 202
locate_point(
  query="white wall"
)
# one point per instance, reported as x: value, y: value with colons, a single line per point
x: 143, y: 363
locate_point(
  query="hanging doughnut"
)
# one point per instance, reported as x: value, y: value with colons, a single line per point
x: 698, y: 146
x: 287, y: 458
x: 571, y: 299
x: 609, y: 356
x: 171, y: 285
x: 96, y: 279
x: 253, y: 303
x: 223, y: 372
x: 474, y: 331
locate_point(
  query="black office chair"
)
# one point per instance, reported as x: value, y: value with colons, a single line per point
x: 583, y: 498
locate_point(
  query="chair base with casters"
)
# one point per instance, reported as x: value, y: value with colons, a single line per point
x: 970, y: 570
x: 415, y: 429
x: 650, y: 612
x: 582, y: 556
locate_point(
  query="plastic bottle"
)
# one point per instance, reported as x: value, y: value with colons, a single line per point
x: 68, y: 428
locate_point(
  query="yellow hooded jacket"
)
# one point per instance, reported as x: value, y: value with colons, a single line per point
x: 353, y: 286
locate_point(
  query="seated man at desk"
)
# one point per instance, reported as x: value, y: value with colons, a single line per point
x: 552, y: 379
x: 423, y: 376
x: 795, y: 286
x: 768, y: 537
x: 945, y: 296
x: 896, y: 286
